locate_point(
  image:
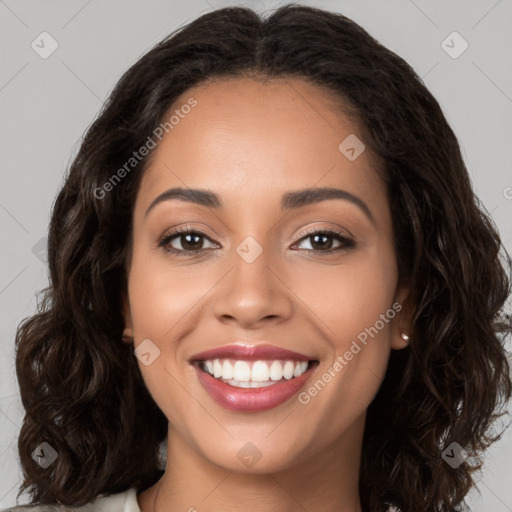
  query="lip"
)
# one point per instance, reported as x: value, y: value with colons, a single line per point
x: 250, y: 353
x: 251, y: 399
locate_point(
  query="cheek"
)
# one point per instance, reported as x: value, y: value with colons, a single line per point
x: 163, y: 301
x: 354, y: 303
x: 162, y: 296
x: 350, y: 297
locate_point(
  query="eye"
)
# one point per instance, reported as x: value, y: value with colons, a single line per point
x: 321, y: 240
x: 190, y: 240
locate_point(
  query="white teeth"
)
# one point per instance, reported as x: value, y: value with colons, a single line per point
x: 289, y: 366
x: 241, y: 371
x: 259, y: 372
x: 227, y: 370
x: 253, y: 373
x: 217, y: 369
x: 300, y: 368
x: 276, y: 371
x: 250, y: 384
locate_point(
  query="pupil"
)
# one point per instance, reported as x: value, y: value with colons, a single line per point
x: 315, y: 242
x: 191, y: 245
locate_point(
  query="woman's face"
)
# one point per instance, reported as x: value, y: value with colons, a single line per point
x: 262, y: 276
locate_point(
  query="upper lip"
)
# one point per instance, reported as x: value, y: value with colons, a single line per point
x: 250, y: 353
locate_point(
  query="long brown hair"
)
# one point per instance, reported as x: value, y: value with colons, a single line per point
x: 80, y: 385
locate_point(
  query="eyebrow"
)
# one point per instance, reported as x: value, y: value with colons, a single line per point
x: 290, y: 200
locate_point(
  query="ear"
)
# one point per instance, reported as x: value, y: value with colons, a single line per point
x: 402, y: 322
x: 128, y: 327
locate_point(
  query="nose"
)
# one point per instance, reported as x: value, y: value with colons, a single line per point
x: 253, y: 294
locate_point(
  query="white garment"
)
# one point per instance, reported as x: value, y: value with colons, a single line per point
x: 121, y: 502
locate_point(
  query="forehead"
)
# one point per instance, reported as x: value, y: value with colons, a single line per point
x: 249, y: 139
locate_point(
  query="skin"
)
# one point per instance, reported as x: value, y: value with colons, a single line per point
x: 250, y: 142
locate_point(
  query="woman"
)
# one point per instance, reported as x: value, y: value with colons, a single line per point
x: 267, y: 259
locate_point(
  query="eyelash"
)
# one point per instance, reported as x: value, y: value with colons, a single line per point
x: 346, y: 243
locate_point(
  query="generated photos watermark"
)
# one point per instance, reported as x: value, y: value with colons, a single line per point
x: 341, y: 361
x: 143, y: 151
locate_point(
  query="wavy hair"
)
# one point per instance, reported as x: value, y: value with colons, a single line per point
x: 80, y: 385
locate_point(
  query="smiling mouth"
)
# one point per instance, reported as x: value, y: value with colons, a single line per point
x: 241, y: 373
x: 252, y: 378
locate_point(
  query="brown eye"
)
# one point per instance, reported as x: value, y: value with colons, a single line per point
x: 323, y: 240
x: 184, y: 242
x: 189, y: 241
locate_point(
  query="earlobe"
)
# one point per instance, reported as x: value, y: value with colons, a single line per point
x: 127, y: 335
x: 128, y: 330
x: 404, y: 341
x: 400, y: 342
x: 400, y: 333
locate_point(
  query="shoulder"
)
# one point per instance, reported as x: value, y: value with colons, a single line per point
x: 125, y: 501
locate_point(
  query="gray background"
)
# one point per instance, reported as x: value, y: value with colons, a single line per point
x: 46, y: 105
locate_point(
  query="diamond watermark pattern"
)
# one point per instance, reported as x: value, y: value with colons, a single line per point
x: 249, y: 249
x: 147, y: 352
x: 249, y: 454
x: 454, y: 455
x: 39, y: 250
x: 454, y: 45
x: 351, y: 147
x: 44, y: 45
x: 44, y: 455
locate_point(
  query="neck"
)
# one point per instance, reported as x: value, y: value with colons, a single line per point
x: 327, y: 481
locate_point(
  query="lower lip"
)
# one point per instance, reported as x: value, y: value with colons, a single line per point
x: 252, y: 399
